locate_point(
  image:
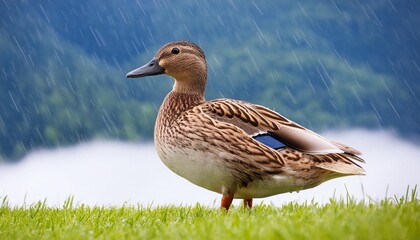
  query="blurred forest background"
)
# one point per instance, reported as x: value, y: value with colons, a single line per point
x: 326, y: 64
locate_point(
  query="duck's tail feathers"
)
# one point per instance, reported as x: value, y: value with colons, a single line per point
x: 343, y: 163
x: 351, y: 152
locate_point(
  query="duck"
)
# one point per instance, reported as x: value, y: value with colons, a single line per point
x: 232, y: 147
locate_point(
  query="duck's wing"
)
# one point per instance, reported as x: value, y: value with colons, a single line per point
x: 257, y: 121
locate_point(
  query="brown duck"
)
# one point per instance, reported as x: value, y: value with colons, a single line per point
x: 238, y: 149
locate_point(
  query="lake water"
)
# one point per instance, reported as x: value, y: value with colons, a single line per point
x: 115, y: 173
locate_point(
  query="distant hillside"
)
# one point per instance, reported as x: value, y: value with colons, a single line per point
x: 325, y: 64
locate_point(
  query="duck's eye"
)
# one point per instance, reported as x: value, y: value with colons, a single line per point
x: 175, y: 50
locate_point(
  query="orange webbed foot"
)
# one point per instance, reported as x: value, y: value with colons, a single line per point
x: 226, y: 201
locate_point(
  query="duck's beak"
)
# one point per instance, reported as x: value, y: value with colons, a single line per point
x: 149, y: 69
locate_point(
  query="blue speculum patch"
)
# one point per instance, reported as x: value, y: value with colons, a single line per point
x: 270, y: 141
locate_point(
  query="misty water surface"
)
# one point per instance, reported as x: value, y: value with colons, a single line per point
x: 115, y: 173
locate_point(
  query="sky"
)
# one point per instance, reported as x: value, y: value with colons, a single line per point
x: 111, y: 173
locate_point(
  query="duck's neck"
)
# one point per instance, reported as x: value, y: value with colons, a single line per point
x: 191, y: 82
x: 175, y: 104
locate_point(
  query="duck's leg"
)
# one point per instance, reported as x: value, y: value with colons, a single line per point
x: 248, y: 203
x: 226, y: 201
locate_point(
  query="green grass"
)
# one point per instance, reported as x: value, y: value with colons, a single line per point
x: 392, y: 218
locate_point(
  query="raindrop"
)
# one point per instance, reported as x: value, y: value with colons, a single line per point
x: 71, y: 87
x: 392, y: 105
x: 58, y: 58
x: 20, y: 49
x: 13, y: 101
x: 409, y: 88
x: 297, y: 60
x: 310, y: 84
x: 40, y: 135
x: 122, y: 16
x: 386, y: 86
x: 290, y: 95
x: 376, y: 111
x: 221, y: 21
x: 336, y: 7
x: 356, y: 94
x: 258, y: 9
x: 141, y: 7
x: 323, y: 79
x: 43, y: 12
x: 118, y: 65
x: 188, y: 32
x: 392, y: 5
x: 94, y: 35
x: 248, y: 52
x: 302, y: 9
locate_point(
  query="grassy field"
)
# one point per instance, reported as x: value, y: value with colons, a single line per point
x: 393, y: 218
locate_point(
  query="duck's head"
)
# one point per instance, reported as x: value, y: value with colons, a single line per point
x: 184, y: 61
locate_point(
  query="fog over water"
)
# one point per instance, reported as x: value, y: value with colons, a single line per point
x: 114, y: 173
